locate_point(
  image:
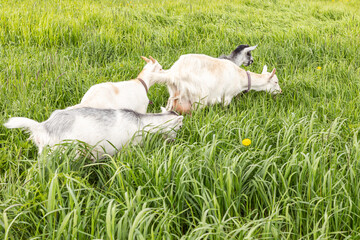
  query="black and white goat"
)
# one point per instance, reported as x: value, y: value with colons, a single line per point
x: 102, y: 128
x: 241, y: 55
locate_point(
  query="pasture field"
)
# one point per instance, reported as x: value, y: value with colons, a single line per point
x: 299, y: 178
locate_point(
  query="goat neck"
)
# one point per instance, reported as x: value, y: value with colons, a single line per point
x: 145, y: 76
x: 153, y: 122
x: 258, y: 81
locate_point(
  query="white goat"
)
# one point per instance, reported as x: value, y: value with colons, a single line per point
x: 127, y: 94
x: 201, y: 79
x: 103, y: 128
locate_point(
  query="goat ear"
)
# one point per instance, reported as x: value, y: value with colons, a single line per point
x: 273, y: 72
x: 145, y: 59
x: 152, y: 59
x: 264, y: 70
x: 163, y: 110
x: 248, y: 49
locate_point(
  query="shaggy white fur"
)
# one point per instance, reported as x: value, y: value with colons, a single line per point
x: 204, y: 80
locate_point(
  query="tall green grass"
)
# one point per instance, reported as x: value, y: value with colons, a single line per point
x: 299, y: 179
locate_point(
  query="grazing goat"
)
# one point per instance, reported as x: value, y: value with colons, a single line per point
x: 241, y: 55
x: 106, y: 129
x: 197, y: 78
x: 127, y: 94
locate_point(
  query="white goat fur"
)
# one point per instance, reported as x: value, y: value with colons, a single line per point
x: 197, y: 78
x: 103, y: 128
x: 126, y: 94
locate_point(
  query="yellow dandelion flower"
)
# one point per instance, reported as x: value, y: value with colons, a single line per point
x: 318, y: 68
x: 246, y: 142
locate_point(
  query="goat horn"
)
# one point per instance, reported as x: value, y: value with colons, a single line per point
x: 273, y: 72
x: 152, y: 59
x: 145, y: 59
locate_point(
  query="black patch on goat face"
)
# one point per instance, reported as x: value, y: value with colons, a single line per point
x: 239, y: 56
x: 238, y: 50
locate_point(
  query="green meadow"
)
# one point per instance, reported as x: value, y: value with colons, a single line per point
x: 299, y: 178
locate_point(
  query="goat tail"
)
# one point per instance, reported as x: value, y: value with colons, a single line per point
x: 22, y: 122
